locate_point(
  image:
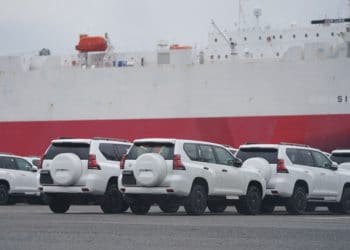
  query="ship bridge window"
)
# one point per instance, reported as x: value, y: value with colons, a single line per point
x: 212, y: 57
x: 277, y: 54
x: 226, y: 56
x: 245, y: 38
x: 294, y: 36
x: 216, y: 40
x: 259, y: 37
x: 219, y: 56
x: 317, y: 35
x: 281, y: 36
x: 273, y: 37
x: 332, y: 34
x: 306, y: 35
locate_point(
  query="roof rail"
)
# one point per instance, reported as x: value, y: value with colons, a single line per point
x: 250, y: 143
x: 294, y: 144
x: 110, y: 139
x: 66, y: 137
x: 7, y: 153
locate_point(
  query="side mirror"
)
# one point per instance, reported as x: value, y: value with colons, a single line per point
x: 34, y: 169
x: 334, y: 166
x: 237, y: 163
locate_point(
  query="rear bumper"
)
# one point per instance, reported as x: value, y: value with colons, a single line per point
x: 280, y: 186
x: 87, y: 189
x: 174, y: 185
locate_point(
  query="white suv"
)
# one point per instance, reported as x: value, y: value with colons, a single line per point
x: 17, y: 178
x: 172, y: 172
x: 302, y: 178
x: 83, y: 169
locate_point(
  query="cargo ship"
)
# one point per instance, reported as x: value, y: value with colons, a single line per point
x: 249, y: 85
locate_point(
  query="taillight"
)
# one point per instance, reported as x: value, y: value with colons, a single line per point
x: 177, y: 163
x: 122, y: 162
x: 92, y: 163
x: 281, y: 167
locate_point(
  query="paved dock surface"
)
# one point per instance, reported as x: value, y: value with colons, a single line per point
x: 28, y: 227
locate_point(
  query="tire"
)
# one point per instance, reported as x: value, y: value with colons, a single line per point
x: 139, y: 207
x: 216, y: 206
x: 59, y: 204
x: 267, y: 207
x: 297, y: 204
x: 113, y: 201
x: 250, y: 204
x: 4, y: 194
x: 310, y: 207
x: 169, y: 207
x: 344, y: 205
x: 197, y: 200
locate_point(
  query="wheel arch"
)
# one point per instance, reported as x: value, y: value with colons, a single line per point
x: 2, y: 181
x: 111, y: 180
x: 302, y: 183
x: 201, y: 181
x: 346, y: 185
x: 257, y: 184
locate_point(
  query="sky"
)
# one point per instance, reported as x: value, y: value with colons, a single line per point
x: 26, y: 26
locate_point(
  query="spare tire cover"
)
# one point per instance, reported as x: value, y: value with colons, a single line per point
x: 261, y: 165
x: 150, y: 169
x: 66, y: 169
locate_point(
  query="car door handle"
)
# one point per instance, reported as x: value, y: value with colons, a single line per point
x: 224, y: 170
x: 306, y: 172
x: 206, y: 168
x: 323, y: 173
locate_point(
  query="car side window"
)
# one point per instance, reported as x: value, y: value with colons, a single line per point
x: 306, y: 158
x: 2, y: 163
x: 23, y: 165
x: 294, y: 156
x: 192, y: 151
x: 9, y: 163
x: 206, y: 153
x: 121, y: 150
x: 108, y: 151
x: 223, y: 157
x: 321, y: 160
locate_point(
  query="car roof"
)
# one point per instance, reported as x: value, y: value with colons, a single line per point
x: 276, y: 146
x: 88, y: 141
x: 173, y: 141
x: 73, y: 140
x: 11, y: 155
x: 339, y: 151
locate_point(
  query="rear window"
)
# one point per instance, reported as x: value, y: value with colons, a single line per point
x: 340, y: 157
x: 269, y: 154
x: 80, y: 149
x: 164, y: 149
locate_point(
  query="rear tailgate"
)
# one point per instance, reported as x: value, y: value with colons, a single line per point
x: 81, y: 149
x: 165, y: 149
